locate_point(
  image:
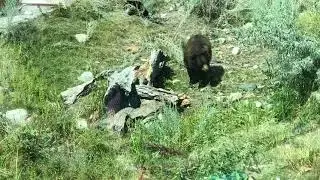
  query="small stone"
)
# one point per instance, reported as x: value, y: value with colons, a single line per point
x: 235, y: 96
x: 163, y: 15
x: 222, y: 40
x: 235, y: 51
x: 255, y: 67
x: 86, y: 77
x: 268, y: 106
x: 185, y: 103
x: 220, y: 98
x: 316, y: 96
x: 248, y: 87
x: 248, y: 25
x: 17, y: 116
x: 230, y: 39
x: 258, y: 104
x: 160, y: 116
x: 81, y: 38
x: 132, y: 48
x: 82, y: 124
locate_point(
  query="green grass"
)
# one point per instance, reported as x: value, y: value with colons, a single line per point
x: 214, y: 137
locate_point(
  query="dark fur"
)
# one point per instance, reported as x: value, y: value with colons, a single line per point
x: 197, y: 52
x: 117, y: 99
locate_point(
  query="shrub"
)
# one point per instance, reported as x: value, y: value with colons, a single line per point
x: 25, y: 32
x: 87, y: 9
x: 295, y: 65
x: 221, y: 12
x: 154, y: 6
x: 309, y: 23
x: 213, y: 8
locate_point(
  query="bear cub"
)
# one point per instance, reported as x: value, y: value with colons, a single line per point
x: 197, y: 55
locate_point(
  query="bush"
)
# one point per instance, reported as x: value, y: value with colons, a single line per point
x: 25, y: 32
x: 309, y: 23
x: 154, y: 6
x: 221, y: 12
x: 295, y: 65
x: 87, y: 9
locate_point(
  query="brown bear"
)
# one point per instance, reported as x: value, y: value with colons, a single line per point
x: 197, y: 55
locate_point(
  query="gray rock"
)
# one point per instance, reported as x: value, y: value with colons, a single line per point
x: 248, y: 25
x: 163, y: 15
x: 248, y: 87
x: 81, y: 38
x: 117, y: 123
x: 316, y: 96
x: 258, y: 104
x: 255, y: 67
x: 82, y: 124
x: 222, y: 40
x: 235, y: 51
x: 124, y: 78
x: 17, y: 116
x: 86, y: 76
x: 27, y: 13
x: 235, y: 96
x: 70, y: 95
x: 268, y: 106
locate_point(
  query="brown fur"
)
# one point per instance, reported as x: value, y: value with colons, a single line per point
x: 197, y: 56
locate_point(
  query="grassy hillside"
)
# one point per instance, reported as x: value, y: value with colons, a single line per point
x: 269, y: 132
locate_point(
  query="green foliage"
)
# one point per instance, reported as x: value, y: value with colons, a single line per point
x: 234, y: 175
x: 87, y: 9
x: 294, y: 67
x: 209, y: 137
x: 25, y: 32
x: 285, y: 103
x: 9, y: 8
x: 213, y: 8
x: 308, y: 5
x: 154, y: 6
x: 220, y: 12
x: 308, y: 22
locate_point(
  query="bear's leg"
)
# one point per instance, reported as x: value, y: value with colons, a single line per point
x: 193, y: 77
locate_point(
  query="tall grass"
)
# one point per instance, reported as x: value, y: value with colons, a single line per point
x: 274, y: 26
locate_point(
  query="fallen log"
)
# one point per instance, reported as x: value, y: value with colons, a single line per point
x: 149, y: 92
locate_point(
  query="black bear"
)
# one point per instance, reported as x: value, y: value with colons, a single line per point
x: 197, y: 55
